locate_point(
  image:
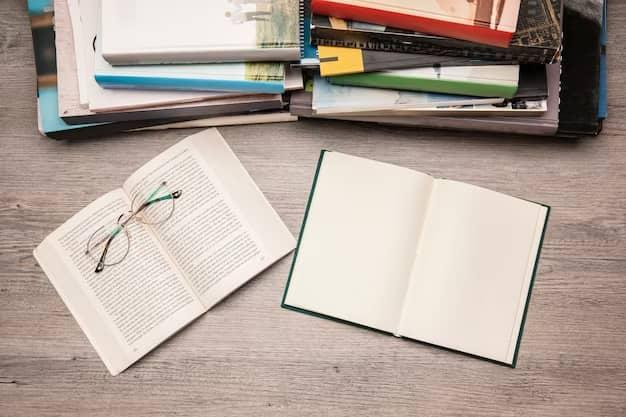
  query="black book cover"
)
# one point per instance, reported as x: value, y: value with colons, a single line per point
x: 580, y: 68
x: 536, y: 40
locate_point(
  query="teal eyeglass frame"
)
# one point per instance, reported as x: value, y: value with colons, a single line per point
x: 125, y: 218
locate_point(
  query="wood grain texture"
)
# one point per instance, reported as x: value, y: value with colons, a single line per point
x: 249, y: 357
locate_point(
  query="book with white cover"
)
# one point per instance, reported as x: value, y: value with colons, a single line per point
x: 220, y: 233
x: 200, y: 31
x: 238, y: 77
x: 339, y: 99
x: 433, y: 260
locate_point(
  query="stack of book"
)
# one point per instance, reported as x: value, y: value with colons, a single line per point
x: 515, y: 66
x: 114, y: 65
x: 521, y: 66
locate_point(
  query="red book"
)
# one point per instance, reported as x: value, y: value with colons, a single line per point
x: 490, y: 22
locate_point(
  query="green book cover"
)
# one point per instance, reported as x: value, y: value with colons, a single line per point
x: 478, y: 80
x: 318, y: 296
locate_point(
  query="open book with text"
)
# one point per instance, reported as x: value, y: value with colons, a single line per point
x: 218, y: 231
x: 433, y: 260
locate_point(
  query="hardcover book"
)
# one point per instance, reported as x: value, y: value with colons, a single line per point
x: 490, y: 22
x: 479, y: 80
x: 197, y: 31
x: 201, y: 229
x: 433, y: 260
x: 537, y: 38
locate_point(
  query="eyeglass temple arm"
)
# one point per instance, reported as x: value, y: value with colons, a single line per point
x: 176, y: 194
x: 100, y: 265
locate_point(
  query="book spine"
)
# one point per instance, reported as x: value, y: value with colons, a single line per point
x: 472, y: 33
x: 322, y: 36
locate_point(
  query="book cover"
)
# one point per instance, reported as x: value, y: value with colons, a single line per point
x: 197, y: 31
x: 338, y: 99
x: 335, y: 60
x: 250, y: 77
x: 537, y: 38
x: 580, y: 75
x: 241, y: 77
x: 490, y: 22
x: 481, y: 81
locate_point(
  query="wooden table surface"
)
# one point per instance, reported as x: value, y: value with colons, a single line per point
x: 249, y: 357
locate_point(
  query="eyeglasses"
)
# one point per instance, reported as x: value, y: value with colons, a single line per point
x: 109, y: 245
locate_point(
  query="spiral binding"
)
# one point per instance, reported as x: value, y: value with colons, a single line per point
x: 302, y: 6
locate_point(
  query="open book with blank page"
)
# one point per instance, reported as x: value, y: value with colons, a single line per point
x: 158, y: 276
x: 433, y: 260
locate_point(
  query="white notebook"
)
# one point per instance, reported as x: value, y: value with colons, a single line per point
x: 221, y: 233
x: 197, y: 31
x: 433, y: 260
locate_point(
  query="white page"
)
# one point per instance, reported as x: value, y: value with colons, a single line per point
x: 472, y: 270
x: 129, y: 308
x: 79, y: 49
x: 359, y: 240
x: 223, y: 231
